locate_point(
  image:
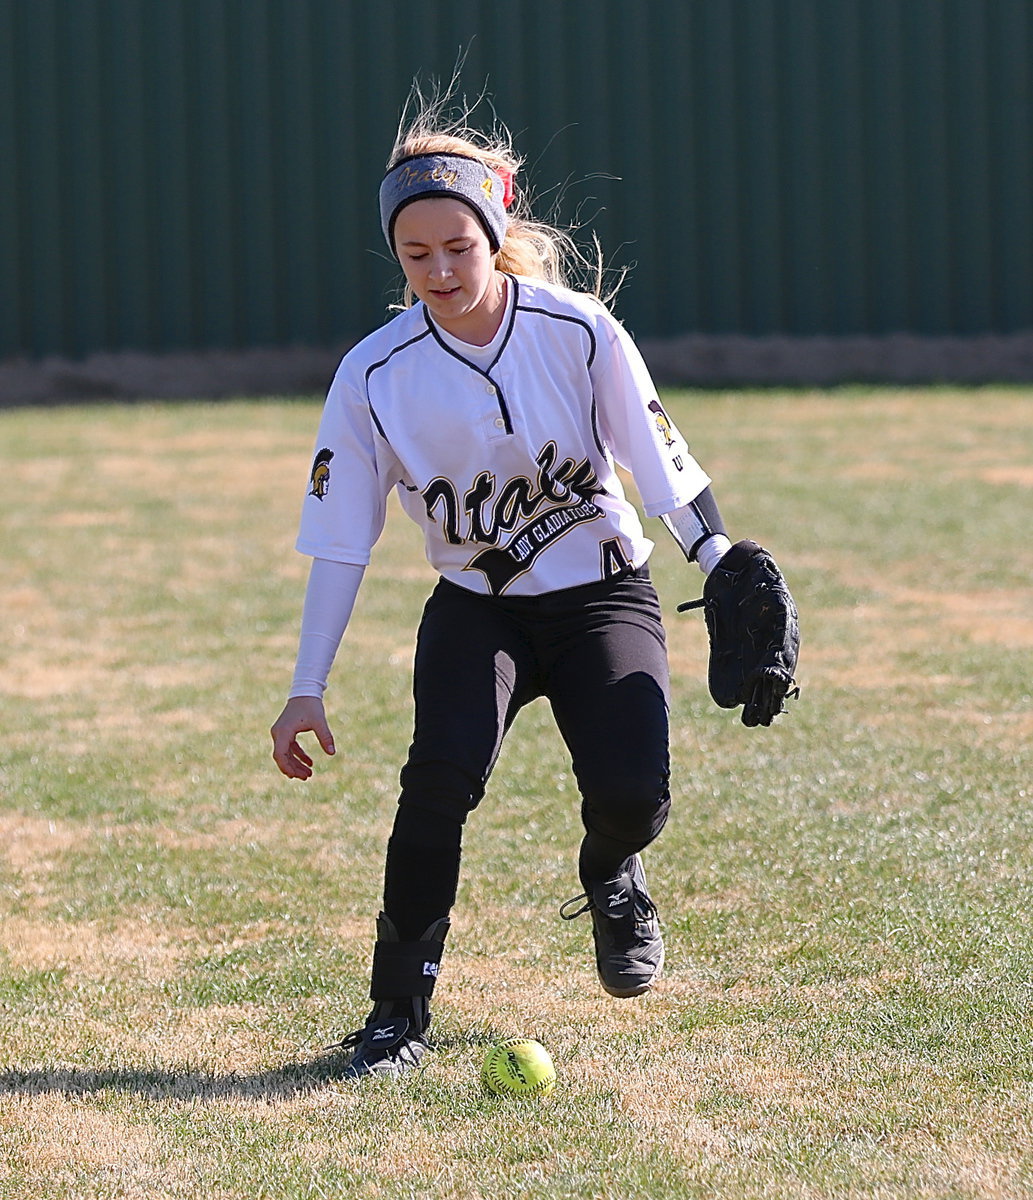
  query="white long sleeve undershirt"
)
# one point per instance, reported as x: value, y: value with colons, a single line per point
x: 329, y: 600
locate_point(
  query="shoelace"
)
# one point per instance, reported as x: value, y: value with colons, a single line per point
x: 353, y: 1039
x: 643, y: 904
x: 349, y: 1041
x: 586, y: 907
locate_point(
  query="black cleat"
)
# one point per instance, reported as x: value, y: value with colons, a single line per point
x: 629, y: 948
x: 393, y: 1040
x: 388, y: 1048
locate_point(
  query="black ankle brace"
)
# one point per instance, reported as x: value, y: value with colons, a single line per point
x: 404, y: 973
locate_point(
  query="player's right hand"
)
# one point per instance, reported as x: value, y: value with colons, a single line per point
x: 302, y: 714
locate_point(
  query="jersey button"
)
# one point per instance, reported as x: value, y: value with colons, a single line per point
x: 490, y: 389
x: 500, y: 423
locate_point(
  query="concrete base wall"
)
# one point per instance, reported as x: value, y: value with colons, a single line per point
x: 692, y: 360
x: 825, y: 361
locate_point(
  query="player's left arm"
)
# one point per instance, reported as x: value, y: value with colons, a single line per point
x: 635, y: 426
x: 751, y: 616
x: 644, y: 439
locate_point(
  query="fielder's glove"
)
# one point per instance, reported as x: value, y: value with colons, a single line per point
x: 754, y: 634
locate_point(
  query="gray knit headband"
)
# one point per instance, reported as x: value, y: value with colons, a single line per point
x: 486, y: 191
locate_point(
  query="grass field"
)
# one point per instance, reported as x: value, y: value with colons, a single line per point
x: 846, y: 896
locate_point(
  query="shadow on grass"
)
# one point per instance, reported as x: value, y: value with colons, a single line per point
x: 281, y: 1083
x: 157, y: 1083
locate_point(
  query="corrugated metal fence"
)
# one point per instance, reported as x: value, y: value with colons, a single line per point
x: 202, y: 173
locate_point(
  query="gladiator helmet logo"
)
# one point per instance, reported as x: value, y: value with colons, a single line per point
x: 662, y: 422
x: 320, y: 477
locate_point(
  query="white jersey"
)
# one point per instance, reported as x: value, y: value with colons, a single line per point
x: 506, y: 458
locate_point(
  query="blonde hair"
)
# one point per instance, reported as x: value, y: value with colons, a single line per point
x: 533, y: 248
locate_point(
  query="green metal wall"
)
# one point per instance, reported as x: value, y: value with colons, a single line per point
x: 202, y: 173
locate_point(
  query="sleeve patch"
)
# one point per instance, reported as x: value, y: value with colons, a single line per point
x: 663, y: 422
x: 320, y: 477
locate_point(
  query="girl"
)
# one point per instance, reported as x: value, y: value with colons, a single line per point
x: 498, y: 404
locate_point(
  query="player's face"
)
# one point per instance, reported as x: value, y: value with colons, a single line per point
x: 448, y: 263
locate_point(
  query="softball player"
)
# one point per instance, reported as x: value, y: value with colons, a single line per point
x: 498, y: 405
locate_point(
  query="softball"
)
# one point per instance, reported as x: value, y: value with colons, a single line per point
x: 518, y: 1067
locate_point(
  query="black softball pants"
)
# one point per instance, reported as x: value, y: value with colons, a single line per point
x: 598, y: 654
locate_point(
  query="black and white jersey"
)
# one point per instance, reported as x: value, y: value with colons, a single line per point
x: 505, y: 456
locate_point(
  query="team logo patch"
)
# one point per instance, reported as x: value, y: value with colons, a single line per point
x: 662, y: 422
x: 320, y: 477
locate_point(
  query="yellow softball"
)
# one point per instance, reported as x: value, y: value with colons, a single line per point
x: 518, y: 1067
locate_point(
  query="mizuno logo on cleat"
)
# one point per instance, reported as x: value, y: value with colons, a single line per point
x: 378, y: 1035
x: 616, y: 898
